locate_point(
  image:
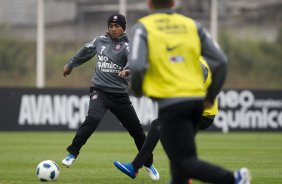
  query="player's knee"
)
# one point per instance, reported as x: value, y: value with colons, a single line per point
x: 191, y: 162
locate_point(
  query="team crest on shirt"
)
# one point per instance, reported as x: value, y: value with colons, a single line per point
x: 117, y: 47
x: 94, y: 97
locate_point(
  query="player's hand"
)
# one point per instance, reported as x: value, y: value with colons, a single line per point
x: 208, y: 104
x: 124, y: 73
x: 67, y: 70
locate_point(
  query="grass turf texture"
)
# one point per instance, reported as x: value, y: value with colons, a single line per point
x: 20, y: 152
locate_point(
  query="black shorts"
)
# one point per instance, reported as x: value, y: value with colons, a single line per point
x: 206, y: 122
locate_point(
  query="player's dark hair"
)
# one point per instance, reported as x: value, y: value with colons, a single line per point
x: 162, y: 4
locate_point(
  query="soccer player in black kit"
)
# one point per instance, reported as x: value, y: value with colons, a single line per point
x: 108, y: 91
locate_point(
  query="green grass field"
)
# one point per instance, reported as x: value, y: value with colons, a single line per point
x: 20, y: 152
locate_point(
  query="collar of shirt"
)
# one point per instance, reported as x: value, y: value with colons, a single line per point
x: 123, y: 37
x: 169, y: 11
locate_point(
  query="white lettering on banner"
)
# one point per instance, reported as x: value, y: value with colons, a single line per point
x: 47, y: 109
x: 238, y: 110
x: 246, y: 112
x: 146, y: 109
x: 60, y: 109
x: 25, y: 112
x: 71, y: 110
x: 233, y: 99
x: 53, y: 110
x: 72, y: 115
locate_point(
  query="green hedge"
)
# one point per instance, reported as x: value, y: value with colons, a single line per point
x: 252, y: 63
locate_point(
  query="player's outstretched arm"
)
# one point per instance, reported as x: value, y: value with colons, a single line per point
x: 86, y: 53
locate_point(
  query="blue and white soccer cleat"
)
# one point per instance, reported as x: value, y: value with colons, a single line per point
x: 153, y: 173
x: 126, y: 169
x: 242, y: 176
x: 68, y: 160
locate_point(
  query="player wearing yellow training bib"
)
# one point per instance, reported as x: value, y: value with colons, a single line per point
x: 153, y: 136
x: 164, y: 64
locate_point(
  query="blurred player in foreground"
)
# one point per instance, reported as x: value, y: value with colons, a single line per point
x: 164, y: 65
x: 131, y: 169
x: 108, y: 91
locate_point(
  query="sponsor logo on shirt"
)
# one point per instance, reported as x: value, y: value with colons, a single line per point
x: 105, y: 66
x: 176, y: 59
